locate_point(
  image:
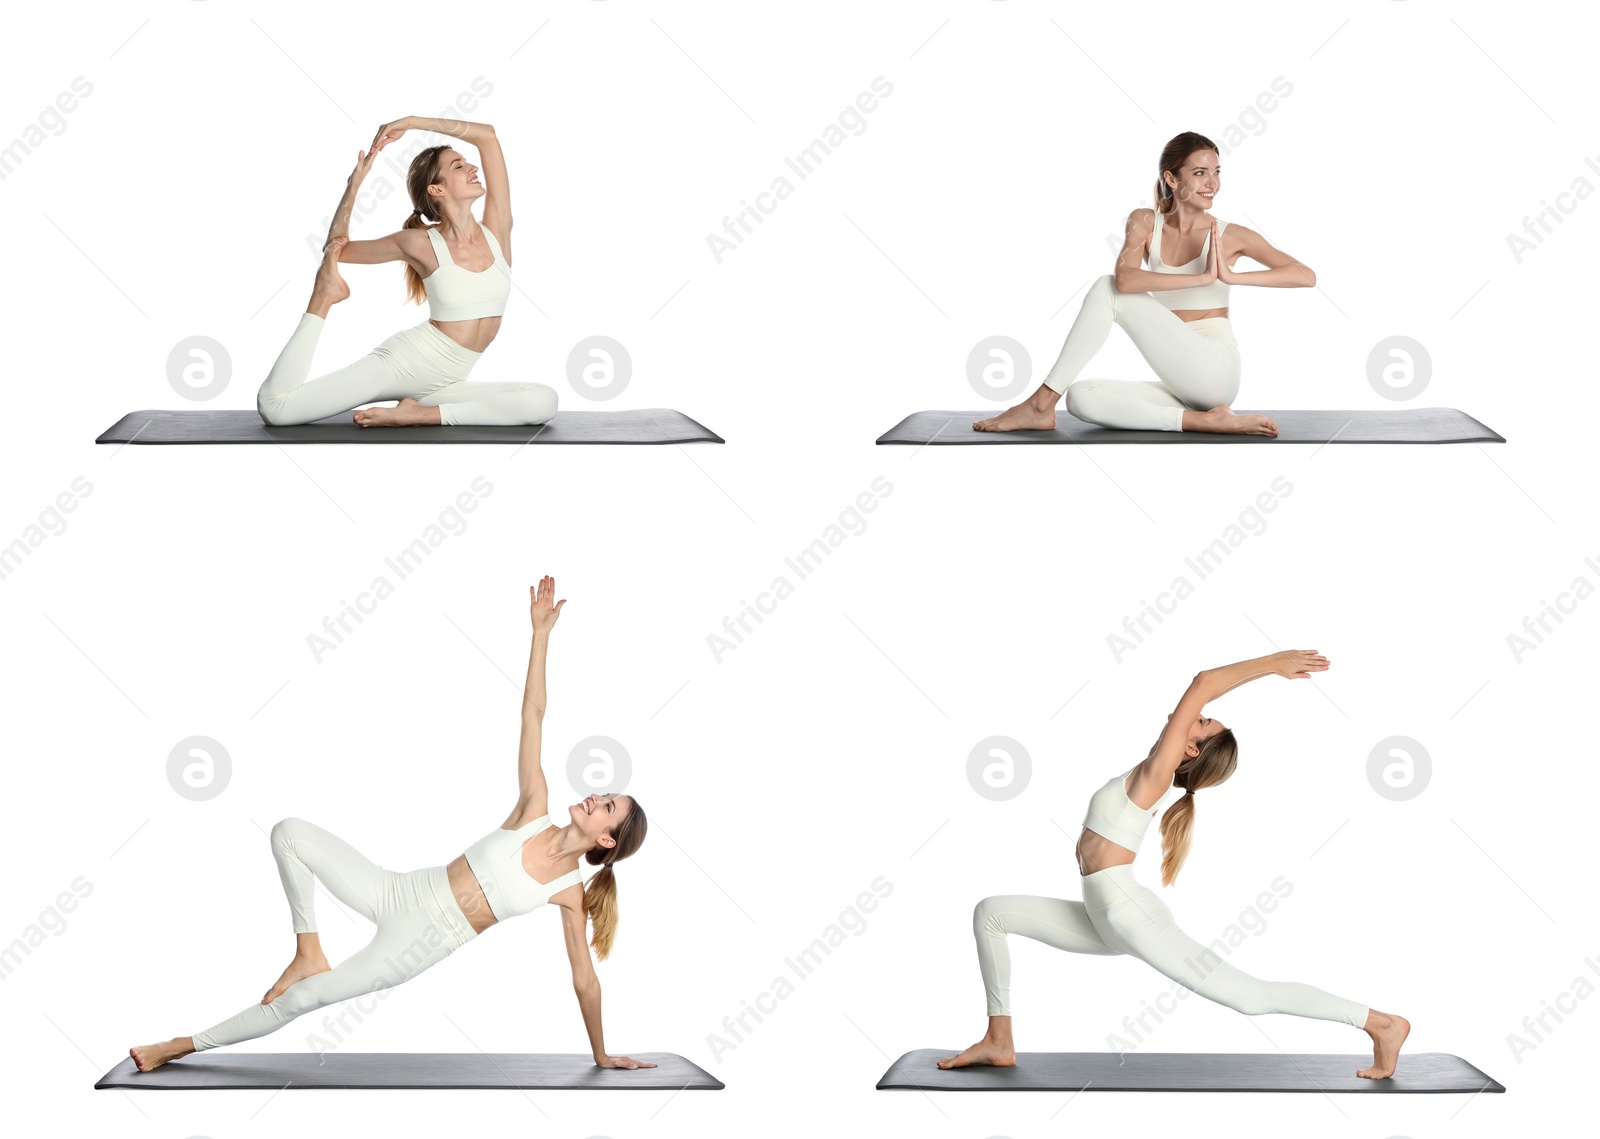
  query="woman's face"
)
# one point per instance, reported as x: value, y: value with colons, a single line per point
x: 598, y: 816
x: 1198, y: 180
x: 458, y: 178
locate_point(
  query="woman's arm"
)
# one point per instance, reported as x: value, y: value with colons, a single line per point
x: 491, y: 160
x: 340, y: 226
x: 1208, y: 684
x: 574, y: 925
x: 1284, y: 272
x: 533, y: 795
x: 1129, y: 277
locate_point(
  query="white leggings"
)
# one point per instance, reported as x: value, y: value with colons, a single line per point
x: 422, y: 363
x: 1118, y: 915
x: 1196, y: 362
x: 419, y: 925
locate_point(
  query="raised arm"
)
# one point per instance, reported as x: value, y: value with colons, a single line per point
x: 491, y: 160
x: 533, y: 796
x: 574, y: 926
x: 1211, y: 683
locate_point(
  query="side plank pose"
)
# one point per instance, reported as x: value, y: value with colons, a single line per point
x: 462, y: 268
x: 426, y: 915
x: 1175, y: 312
x: 1118, y: 915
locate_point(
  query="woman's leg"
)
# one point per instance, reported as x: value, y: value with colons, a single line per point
x: 502, y: 404
x: 1058, y: 922
x: 1200, y: 373
x: 1139, y: 405
x: 1132, y: 918
x: 305, y: 853
x: 287, y: 396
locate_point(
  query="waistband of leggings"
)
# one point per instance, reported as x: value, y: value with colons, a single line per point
x: 466, y: 355
x: 445, y: 906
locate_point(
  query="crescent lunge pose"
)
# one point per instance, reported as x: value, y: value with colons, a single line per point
x: 1175, y: 312
x: 424, y: 916
x: 1118, y: 915
x: 462, y: 268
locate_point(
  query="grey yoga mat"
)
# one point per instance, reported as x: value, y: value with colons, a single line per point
x: 276, y: 1070
x: 649, y: 425
x: 1407, y: 425
x: 1187, y: 1072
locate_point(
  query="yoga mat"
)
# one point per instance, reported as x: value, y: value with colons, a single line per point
x: 1411, y: 425
x: 1187, y: 1072
x: 576, y: 1070
x: 649, y: 425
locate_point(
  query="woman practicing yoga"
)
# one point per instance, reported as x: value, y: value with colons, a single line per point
x: 1175, y: 312
x: 425, y: 915
x: 1118, y: 915
x: 461, y: 267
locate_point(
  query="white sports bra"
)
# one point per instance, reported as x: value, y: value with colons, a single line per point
x: 455, y: 293
x: 1214, y: 295
x: 1114, y: 816
x: 496, y: 861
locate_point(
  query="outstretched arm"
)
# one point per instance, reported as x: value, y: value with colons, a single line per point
x: 340, y: 227
x: 533, y: 795
x: 491, y: 160
x: 584, y: 982
x: 1211, y: 683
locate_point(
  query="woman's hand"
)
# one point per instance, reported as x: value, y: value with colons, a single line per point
x: 1298, y: 664
x: 1220, y: 269
x: 363, y: 166
x: 621, y: 1062
x: 337, y: 244
x: 545, y: 609
x: 389, y: 132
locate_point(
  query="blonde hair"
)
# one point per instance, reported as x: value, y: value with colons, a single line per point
x: 424, y: 172
x: 1219, y: 755
x: 600, y: 894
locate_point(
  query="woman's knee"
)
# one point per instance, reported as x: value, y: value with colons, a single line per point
x: 272, y: 412
x: 286, y: 831
x: 1082, y: 399
x: 538, y: 401
x: 986, y: 917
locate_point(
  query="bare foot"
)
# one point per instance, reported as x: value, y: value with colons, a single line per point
x: 409, y: 413
x: 985, y: 1051
x: 151, y: 1056
x: 1387, y: 1036
x: 299, y: 969
x: 1222, y: 420
x: 330, y: 288
x: 1026, y: 416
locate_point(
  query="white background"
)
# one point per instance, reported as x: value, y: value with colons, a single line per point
x: 830, y: 747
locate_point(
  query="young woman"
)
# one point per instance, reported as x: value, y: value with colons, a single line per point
x: 1118, y: 915
x: 1175, y: 312
x: 461, y: 267
x: 425, y: 915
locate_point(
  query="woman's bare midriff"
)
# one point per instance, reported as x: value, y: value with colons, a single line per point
x: 1188, y: 314
x: 468, y: 894
x: 1096, y: 852
x: 473, y: 335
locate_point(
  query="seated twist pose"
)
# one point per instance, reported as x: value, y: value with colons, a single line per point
x: 1175, y: 312
x: 462, y: 268
x: 1118, y: 915
x: 424, y: 916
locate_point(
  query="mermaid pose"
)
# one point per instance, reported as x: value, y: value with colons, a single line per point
x: 1118, y: 915
x: 1175, y: 312
x: 425, y: 915
x: 461, y: 267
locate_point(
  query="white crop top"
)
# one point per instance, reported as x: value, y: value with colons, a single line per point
x: 1214, y: 295
x: 455, y: 293
x: 1114, y: 816
x: 496, y: 861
